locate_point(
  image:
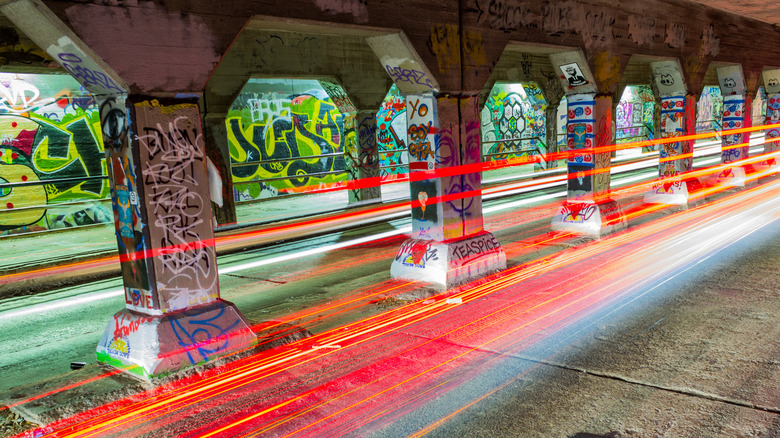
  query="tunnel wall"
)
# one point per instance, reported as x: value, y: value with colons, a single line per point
x: 51, y: 153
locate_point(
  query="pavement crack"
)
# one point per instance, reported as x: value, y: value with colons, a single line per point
x: 682, y: 391
x: 246, y: 277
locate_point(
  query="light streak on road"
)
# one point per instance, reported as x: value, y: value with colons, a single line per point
x: 364, y: 372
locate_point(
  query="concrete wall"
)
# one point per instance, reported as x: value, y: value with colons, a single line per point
x: 174, y: 46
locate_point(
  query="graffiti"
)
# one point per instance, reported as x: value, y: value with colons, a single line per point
x: 557, y: 19
x: 641, y: 30
x: 357, y: 8
x: 709, y: 109
x: 601, y: 177
x: 598, y: 27
x: 45, y: 162
x: 204, y: 332
x: 513, y: 124
x: 363, y: 159
x: 675, y: 35
x: 391, y: 134
x: 607, y: 71
x: 475, y: 248
x: 409, y: 75
x: 421, y: 132
x: 710, y: 42
x: 267, y: 143
x: 473, y: 49
x: 114, y: 120
x: 127, y: 324
x: 504, y: 15
x: 18, y: 96
x: 444, y: 43
x: 174, y: 175
x: 416, y: 253
x: 338, y: 97
x: 772, y: 118
x: 578, y: 212
x: 672, y: 116
x: 88, y: 75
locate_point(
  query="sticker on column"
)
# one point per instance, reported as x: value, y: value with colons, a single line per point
x: 124, y: 212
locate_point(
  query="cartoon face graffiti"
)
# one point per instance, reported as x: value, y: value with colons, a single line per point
x: 729, y: 83
x: 773, y: 82
x: 667, y: 80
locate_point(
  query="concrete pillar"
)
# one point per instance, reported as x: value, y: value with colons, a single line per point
x: 737, y: 106
x: 448, y: 245
x: 772, y: 140
x: 363, y: 158
x: 174, y: 316
x: 677, y: 119
x: 588, y: 209
x: 223, y: 206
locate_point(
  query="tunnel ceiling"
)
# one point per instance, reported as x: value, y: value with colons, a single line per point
x: 764, y: 10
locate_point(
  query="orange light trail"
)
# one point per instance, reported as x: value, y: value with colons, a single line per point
x: 366, y: 335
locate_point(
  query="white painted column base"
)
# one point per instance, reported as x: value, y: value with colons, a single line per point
x: 732, y: 177
x: 449, y: 263
x: 155, y: 345
x: 670, y: 193
x: 589, y: 219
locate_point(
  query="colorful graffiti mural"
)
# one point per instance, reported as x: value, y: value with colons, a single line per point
x: 286, y: 142
x: 709, y: 110
x: 391, y: 135
x: 513, y: 123
x: 635, y: 114
x: 52, y: 164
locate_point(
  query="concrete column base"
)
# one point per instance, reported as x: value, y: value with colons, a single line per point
x: 589, y: 218
x: 733, y: 177
x: 670, y: 193
x: 154, y: 345
x: 449, y: 263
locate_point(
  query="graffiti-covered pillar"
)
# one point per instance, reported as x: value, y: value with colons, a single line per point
x: 174, y: 316
x: 363, y: 159
x: 736, y: 115
x: 677, y: 119
x: 772, y: 141
x: 448, y: 245
x: 588, y: 209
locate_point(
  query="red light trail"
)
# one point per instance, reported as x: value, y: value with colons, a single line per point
x: 363, y: 375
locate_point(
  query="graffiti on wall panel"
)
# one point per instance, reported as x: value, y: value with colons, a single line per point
x: 266, y: 145
x: 513, y: 124
x: 50, y: 152
x: 391, y: 135
x: 43, y: 163
x: 709, y: 109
